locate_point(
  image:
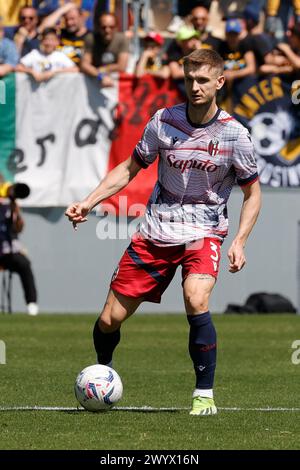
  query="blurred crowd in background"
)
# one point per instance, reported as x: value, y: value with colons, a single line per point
x: 101, y: 37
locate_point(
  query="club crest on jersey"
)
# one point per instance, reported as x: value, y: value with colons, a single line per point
x: 213, y: 147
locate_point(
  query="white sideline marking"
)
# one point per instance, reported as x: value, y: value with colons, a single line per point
x: 133, y: 408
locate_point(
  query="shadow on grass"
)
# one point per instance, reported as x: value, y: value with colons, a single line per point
x: 75, y: 411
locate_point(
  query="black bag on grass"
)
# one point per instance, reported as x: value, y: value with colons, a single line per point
x: 262, y: 302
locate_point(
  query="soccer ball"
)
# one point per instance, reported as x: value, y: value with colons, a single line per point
x: 98, y: 388
x: 270, y: 132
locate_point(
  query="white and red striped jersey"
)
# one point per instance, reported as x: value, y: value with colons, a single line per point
x: 198, y: 166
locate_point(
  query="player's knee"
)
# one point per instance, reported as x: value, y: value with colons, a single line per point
x: 196, y: 302
x: 111, y: 318
x: 113, y: 314
x: 107, y: 324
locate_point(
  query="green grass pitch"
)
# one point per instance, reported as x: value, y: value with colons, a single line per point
x: 44, y: 355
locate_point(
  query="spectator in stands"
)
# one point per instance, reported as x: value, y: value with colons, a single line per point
x: 292, y: 50
x: 106, y: 51
x: 278, y: 16
x: 186, y: 41
x: 45, y: 64
x: 151, y: 60
x: 234, y: 8
x: 27, y: 35
x: 260, y: 43
x: 73, y: 35
x: 277, y: 64
x: 286, y: 57
x: 239, y: 60
x: 12, y: 255
x: 116, y: 7
x: 9, y: 11
x: 9, y: 56
x: 199, y: 18
x: 184, y: 8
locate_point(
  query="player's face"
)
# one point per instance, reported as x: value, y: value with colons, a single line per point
x: 49, y: 43
x: 29, y: 18
x: 202, y: 84
x: 107, y: 27
x: 190, y: 45
x: 199, y: 18
x: 233, y: 40
x: 152, y: 46
x: 73, y: 21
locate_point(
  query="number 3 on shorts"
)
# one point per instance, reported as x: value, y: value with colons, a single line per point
x: 215, y: 256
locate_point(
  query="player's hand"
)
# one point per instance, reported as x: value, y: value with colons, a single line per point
x: 49, y: 74
x: 107, y: 81
x: 236, y: 257
x: 283, y: 46
x: 38, y: 76
x: 23, y: 32
x: 149, y: 54
x: 77, y: 213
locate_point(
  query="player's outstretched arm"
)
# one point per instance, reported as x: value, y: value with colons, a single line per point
x: 115, y: 181
x: 249, y: 213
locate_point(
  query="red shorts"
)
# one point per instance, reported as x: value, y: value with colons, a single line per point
x: 146, y: 270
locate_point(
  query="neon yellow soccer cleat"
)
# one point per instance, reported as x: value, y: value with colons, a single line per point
x: 203, y: 407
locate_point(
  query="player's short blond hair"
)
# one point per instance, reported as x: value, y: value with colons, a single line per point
x: 201, y: 57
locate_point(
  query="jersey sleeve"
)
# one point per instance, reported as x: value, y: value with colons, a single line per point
x: 11, y: 55
x: 147, y: 149
x: 64, y: 61
x: 28, y: 59
x: 244, y: 160
x: 123, y: 44
x: 88, y: 43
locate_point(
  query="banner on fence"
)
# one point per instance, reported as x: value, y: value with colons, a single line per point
x: 269, y: 107
x: 63, y: 136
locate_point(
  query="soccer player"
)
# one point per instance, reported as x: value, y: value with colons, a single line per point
x: 202, y: 152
